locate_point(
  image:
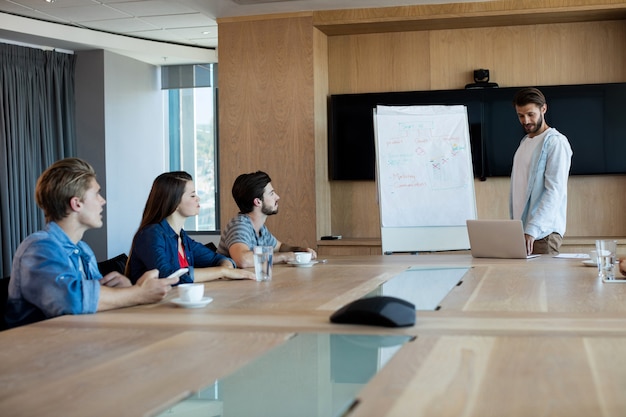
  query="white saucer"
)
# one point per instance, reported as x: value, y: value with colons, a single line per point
x: 615, y: 281
x: 303, y: 265
x: 192, y: 304
x: 589, y: 262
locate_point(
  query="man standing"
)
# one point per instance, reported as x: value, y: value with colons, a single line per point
x: 54, y: 272
x: 256, y: 200
x: 539, y: 177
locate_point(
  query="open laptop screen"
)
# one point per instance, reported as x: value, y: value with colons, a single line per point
x: 497, y: 239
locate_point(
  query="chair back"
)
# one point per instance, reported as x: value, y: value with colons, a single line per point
x: 117, y: 263
x: 4, y: 295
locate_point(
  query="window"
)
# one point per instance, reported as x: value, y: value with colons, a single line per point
x: 190, y: 96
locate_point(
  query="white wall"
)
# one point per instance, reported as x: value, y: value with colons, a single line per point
x: 120, y: 132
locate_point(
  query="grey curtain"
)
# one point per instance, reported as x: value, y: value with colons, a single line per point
x: 36, y: 128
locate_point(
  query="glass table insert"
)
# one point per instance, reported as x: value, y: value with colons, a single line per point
x: 310, y: 375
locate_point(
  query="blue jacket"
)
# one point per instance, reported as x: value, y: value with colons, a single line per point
x: 47, y: 278
x: 156, y: 246
x: 545, y: 210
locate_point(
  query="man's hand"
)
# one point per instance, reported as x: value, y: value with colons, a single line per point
x: 115, y: 279
x: 529, y: 243
x: 622, y: 266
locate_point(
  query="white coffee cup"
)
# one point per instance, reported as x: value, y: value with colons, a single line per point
x: 191, y: 293
x: 303, y: 257
x: 593, y: 256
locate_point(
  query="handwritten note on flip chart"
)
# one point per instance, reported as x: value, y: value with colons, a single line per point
x: 424, y: 166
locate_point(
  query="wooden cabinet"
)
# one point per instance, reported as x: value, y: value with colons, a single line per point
x: 355, y: 246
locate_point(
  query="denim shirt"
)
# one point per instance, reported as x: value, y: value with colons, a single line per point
x: 545, y: 210
x: 156, y: 247
x: 47, y: 278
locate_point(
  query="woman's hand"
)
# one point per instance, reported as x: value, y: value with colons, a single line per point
x: 237, y: 273
x: 225, y: 270
x: 622, y: 266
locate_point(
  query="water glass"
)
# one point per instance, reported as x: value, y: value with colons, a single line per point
x: 606, y: 250
x: 263, y: 262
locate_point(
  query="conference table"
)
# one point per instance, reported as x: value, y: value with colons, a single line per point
x: 492, y: 337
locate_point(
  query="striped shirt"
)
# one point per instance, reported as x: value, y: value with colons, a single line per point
x: 240, y: 230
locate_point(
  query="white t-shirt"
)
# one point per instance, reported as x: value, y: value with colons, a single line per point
x: 521, y: 172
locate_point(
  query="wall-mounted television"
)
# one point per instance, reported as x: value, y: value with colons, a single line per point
x: 592, y: 116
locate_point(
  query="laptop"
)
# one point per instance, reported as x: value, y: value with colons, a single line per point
x: 497, y: 239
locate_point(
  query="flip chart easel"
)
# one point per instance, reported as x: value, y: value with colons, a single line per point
x: 424, y: 177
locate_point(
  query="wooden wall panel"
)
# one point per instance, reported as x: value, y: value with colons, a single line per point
x: 564, y: 53
x: 596, y: 206
x: 355, y: 209
x: 322, y: 185
x: 591, y: 52
x: 508, y: 53
x: 492, y: 198
x: 469, y: 14
x: 266, y: 117
x: 379, y: 62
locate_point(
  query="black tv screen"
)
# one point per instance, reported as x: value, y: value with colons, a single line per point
x: 592, y: 116
x: 351, y: 150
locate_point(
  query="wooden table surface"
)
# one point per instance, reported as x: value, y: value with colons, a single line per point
x: 515, y: 337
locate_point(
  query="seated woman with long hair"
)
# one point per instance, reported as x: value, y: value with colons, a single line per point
x: 162, y: 243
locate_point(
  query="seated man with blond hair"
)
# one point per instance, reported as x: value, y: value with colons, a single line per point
x: 54, y: 272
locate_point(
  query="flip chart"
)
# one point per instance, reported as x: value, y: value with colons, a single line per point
x: 424, y: 176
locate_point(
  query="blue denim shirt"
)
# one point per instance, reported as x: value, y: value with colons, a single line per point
x: 545, y: 211
x: 156, y: 246
x: 47, y: 280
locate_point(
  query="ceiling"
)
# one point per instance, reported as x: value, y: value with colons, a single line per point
x: 191, y: 23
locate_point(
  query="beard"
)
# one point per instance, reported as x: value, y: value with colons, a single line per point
x: 268, y: 211
x: 534, y: 128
